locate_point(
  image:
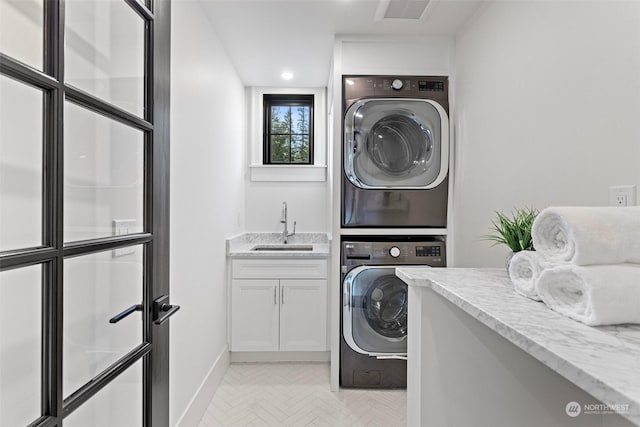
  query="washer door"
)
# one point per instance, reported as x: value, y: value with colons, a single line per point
x: 396, y: 143
x: 374, y: 317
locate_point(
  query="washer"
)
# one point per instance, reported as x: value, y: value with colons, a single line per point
x: 373, y: 321
x: 395, y: 151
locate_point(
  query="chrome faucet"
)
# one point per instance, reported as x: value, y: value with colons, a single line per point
x: 283, y: 220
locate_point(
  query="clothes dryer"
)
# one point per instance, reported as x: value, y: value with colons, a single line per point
x: 395, y: 151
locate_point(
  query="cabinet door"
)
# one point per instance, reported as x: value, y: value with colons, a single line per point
x: 254, y: 315
x: 303, y: 315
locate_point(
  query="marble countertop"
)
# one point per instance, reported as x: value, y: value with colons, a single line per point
x: 242, y: 246
x: 604, y: 361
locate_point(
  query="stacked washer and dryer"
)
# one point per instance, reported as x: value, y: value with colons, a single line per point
x: 395, y: 162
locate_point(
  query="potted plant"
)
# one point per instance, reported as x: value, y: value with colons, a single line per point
x: 513, y: 231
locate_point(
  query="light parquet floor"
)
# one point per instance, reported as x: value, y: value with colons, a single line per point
x: 297, y: 394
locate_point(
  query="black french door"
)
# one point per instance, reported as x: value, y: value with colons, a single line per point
x: 84, y: 213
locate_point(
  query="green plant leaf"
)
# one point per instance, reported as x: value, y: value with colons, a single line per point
x: 513, y: 231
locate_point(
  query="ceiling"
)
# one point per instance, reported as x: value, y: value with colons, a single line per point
x: 264, y: 38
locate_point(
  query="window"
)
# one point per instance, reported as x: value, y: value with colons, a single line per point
x: 288, y: 129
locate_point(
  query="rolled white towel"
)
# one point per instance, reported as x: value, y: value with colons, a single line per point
x: 595, y: 294
x: 588, y: 235
x: 524, y: 270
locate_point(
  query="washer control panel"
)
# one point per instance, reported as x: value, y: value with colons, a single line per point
x: 420, y: 252
x: 397, y: 84
x: 429, y: 250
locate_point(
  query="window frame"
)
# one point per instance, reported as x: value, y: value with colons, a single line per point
x: 277, y: 99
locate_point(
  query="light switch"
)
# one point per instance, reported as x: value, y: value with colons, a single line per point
x: 122, y: 227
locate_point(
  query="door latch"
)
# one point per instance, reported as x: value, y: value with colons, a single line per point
x: 162, y: 310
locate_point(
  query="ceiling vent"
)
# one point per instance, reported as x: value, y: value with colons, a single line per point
x: 401, y: 9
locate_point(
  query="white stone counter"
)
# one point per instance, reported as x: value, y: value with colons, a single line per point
x: 244, y: 244
x: 602, y: 361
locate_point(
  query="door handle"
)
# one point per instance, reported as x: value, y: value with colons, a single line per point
x: 346, y: 294
x: 162, y: 310
x: 118, y: 317
x: 392, y: 356
x: 356, y: 141
x: 282, y: 295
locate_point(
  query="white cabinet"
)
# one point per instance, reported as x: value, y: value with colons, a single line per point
x: 271, y: 313
x: 255, y: 315
x: 303, y: 315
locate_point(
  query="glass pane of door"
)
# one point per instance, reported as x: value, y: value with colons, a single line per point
x: 105, y: 52
x: 104, y: 176
x: 20, y: 345
x: 21, y: 35
x: 20, y: 165
x: 118, y: 404
x: 97, y: 287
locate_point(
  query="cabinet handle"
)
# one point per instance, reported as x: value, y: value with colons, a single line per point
x: 275, y: 294
x: 282, y: 295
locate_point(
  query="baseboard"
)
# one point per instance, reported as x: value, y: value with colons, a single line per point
x: 280, y: 356
x: 197, y: 407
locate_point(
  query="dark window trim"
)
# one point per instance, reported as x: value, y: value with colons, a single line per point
x: 269, y: 100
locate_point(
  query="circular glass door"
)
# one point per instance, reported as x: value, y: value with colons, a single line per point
x: 375, y: 311
x: 396, y: 143
x: 385, y: 306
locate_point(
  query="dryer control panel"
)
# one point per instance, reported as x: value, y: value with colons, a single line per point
x: 425, y: 87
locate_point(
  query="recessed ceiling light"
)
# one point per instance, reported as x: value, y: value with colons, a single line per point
x: 287, y: 75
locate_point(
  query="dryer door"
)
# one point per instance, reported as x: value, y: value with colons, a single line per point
x: 396, y: 143
x: 374, y: 315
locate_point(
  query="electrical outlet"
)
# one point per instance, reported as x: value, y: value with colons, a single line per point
x: 622, y: 195
x: 122, y: 227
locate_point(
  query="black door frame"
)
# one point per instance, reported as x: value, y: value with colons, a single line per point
x: 154, y: 350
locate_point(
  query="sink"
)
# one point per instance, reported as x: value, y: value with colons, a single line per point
x: 282, y: 247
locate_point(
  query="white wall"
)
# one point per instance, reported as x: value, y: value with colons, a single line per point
x: 303, y: 187
x: 401, y: 55
x: 548, y: 107
x: 306, y: 204
x: 207, y: 195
